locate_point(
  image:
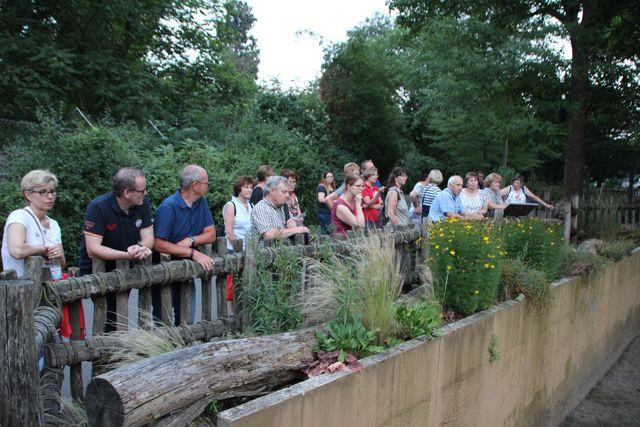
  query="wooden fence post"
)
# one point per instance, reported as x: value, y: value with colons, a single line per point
x: 21, y: 402
x: 206, y: 286
x: 566, y: 221
x: 249, y: 278
x: 221, y: 283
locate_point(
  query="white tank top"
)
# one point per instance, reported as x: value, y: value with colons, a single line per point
x: 242, y: 220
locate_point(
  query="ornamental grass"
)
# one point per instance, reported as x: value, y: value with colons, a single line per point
x: 466, y: 261
x: 536, y: 243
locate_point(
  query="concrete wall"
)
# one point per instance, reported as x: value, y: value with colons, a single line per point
x: 548, y: 361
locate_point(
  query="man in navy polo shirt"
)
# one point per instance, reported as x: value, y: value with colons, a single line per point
x: 117, y: 225
x: 183, y: 222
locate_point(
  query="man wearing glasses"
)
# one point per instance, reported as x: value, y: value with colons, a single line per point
x: 183, y: 222
x: 117, y: 225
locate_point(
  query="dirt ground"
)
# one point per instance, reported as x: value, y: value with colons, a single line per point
x: 615, y: 400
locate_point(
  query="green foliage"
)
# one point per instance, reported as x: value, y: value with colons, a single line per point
x: 535, y: 243
x: 365, y: 282
x: 617, y: 249
x: 517, y: 278
x: 419, y: 319
x: 578, y: 263
x: 494, y: 356
x: 466, y: 260
x: 349, y: 336
x: 272, y: 300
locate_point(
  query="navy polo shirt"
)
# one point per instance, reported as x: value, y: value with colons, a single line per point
x: 118, y: 229
x: 175, y: 220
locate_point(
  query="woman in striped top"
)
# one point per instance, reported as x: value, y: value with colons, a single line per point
x: 430, y: 191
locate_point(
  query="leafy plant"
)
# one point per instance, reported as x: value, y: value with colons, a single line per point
x: 365, y: 282
x: 579, y: 263
x: 617, y: 249
x: 519, y: 279
x: 466, y: 259
x: 72, y: 413
x: 535, y: 243
x: 418, y: 319
x: 348, y: 336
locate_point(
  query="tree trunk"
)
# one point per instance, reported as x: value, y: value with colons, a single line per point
x: 579, y: 89
x: 145, y: 391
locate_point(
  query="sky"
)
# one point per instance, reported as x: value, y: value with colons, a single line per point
x: 293, y: 58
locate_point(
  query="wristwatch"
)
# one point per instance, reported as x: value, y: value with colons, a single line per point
x: 192, y: 240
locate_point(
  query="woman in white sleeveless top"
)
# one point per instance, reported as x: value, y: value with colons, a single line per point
x: 237, y: 212
x: 517, y: 192
x: 29, y: 231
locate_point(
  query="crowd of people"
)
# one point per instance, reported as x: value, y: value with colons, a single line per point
x: 119, y: 225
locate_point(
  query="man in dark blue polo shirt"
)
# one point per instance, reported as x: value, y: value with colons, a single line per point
x: 183, y: 222
x: 117, y: 225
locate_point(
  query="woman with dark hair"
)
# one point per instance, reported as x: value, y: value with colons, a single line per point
x: 474, y: 204
x: 236, y: 213
x: 325, y: 187
x: 396, y: 208
x: 371, y: 198
x: 263, y: 172
x: 517, y: 192
x: 346, y: 212
x: 293, y: 204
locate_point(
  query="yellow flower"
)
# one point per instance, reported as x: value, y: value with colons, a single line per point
x: 486, y: 265
x: 476, y: 292
x: 448, y: 267
x: 437, y: 246
x: 452, y: 252
x: 552, y: 243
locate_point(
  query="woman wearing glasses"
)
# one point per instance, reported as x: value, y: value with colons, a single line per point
x: 29, y: 231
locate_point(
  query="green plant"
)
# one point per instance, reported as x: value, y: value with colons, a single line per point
x: 272, y: 300
x: 348, y: 336
x: 418, y: 319
x: 494, y: 356
x: 72, y: 413
x: 617, y: 249
x: 134, y: 344
x: 466, y: 259
x: 578, y: 263
x: 518, y: 278
x: 366, y: 282
x: 536, y: 243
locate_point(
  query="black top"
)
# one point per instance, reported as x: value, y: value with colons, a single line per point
x: 256, y: 195
x: 322, y: 207
x: 118, y: 229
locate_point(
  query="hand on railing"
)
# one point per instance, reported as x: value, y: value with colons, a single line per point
x: 205, y: 261
x: 138, y: 252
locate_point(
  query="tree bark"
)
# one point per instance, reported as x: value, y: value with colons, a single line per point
x: 145, y: 391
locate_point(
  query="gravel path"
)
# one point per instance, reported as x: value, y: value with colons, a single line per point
x: 615, y: 400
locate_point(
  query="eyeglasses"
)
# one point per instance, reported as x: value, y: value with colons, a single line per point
x: 143, y: 191
x: 203, y: 182
x: 44, y: 193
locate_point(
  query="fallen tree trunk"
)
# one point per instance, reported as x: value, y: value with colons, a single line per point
x: 147, y: 390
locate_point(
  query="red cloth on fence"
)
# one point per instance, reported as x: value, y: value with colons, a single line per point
x: 229, y: 287
x: 65, y: 324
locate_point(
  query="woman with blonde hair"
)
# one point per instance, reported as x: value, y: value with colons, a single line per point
x: 29, y: 231
x: 492, y: 185
x: 430, y: 191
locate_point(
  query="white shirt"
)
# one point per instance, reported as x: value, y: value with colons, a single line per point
x: 242, y: 222
x: 52, y: 236
x: 516, y: 196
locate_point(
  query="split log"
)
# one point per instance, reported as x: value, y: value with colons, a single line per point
x: 145, y: 391
x: 62, y: 354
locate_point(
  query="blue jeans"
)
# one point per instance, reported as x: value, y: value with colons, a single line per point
x: 325, y: 221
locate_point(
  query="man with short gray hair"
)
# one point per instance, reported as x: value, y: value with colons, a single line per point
x: 268, y: 216
x: 182, y: 224
x: 447, y: 203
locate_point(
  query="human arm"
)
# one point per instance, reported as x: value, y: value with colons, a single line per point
x: 391, y: 207
x: 537, y: 199
x: 331, y: 198
x: 504, y: 191
x: 279, y: 233
x: 17, y: 242
x: 229, y: 222
x: 345, y: 215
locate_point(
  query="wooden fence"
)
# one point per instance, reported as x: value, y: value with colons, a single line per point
x: 36, y: 290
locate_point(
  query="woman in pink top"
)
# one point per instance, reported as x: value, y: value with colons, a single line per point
x: 346, y: 212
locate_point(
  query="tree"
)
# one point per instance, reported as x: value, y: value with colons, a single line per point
x: 589, y: 25
x: 359, y: 86
x: 128, y: 59
x: 481, y: 97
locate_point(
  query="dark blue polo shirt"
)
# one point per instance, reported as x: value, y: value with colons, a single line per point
x: 118, y: 229
x: 175, y: 220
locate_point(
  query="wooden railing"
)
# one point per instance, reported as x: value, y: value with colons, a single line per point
x: 143, y: 277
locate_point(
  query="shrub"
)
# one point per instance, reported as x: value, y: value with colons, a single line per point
x: 348, y: 336
x: 518, y: 278
x: 534, y: 242
x: 466, y: 258
x: 579, y: 263
x: 365, y: 282
x: 617, y: 249
x: 272, y: 300
x: 418, y: 319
